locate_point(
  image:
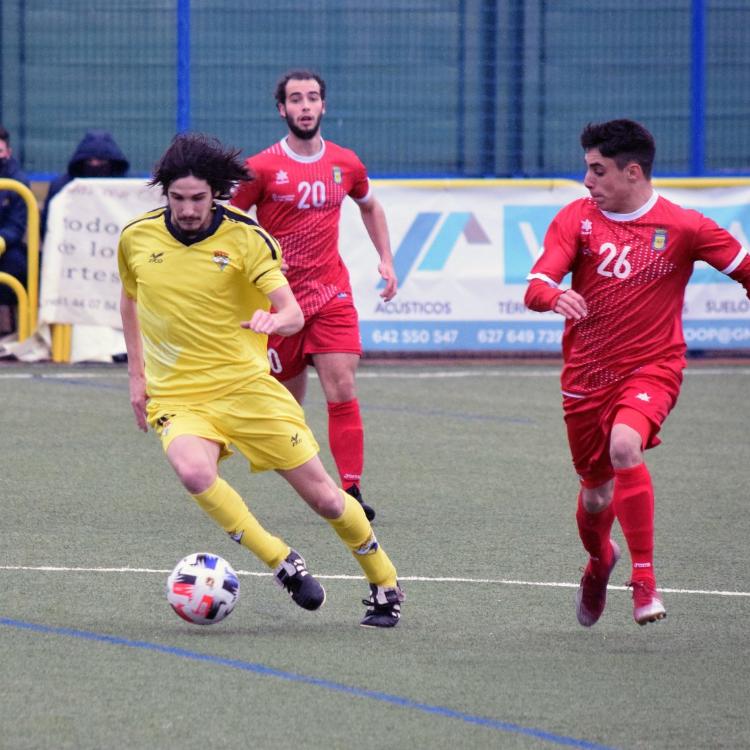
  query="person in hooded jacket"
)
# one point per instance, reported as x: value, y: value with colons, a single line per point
x: 13, y: 218
x: 97, y: 155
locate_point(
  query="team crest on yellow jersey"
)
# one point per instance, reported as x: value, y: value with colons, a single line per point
x: 337, y: 176
x: 659, y: 241
x: 221, y: 259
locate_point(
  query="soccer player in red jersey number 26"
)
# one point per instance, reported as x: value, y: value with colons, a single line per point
x: 631, y: 253
x: 298, y: 187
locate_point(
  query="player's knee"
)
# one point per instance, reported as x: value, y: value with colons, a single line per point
x: 339, y: 385
x: 597, y: 499
x: 326, y: 501
x: 625, y: 450
x: 195, y: 477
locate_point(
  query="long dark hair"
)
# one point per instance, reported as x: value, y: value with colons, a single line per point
x: 202, y: 156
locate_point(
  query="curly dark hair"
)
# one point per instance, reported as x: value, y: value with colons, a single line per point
x: 624, y: 141
x: 202, y: 156
x: 299, y: 74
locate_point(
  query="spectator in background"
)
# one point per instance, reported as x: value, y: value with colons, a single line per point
x: 13, y: 218
x: 97, y: 155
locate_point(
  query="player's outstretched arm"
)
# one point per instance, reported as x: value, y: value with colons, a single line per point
x: 286, y: 319
x: 136, y: 371
x: 373, y: 217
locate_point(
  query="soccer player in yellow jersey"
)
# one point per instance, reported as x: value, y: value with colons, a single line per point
x: 198, y: 282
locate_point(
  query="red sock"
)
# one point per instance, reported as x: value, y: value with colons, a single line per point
x: 346, y: 438
x: 594, y: 528
x: 634, y: 506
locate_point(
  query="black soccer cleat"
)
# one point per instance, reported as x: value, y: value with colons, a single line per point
x: 354, y: 491
x: 292, y: 574
x: 384, y: 607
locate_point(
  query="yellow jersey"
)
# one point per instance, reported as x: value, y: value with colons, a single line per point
x: 191, y: 296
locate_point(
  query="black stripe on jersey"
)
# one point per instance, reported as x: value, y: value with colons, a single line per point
x: 267, y: 239
x: 259, y: 276
x: 245, y: 219
x: 157, y: 213
x: 232, y: 214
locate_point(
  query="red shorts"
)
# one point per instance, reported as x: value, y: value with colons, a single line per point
x: 652, y: 391
x: 334, y: 328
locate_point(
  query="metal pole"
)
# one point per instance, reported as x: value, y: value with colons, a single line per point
x: 489, y: 85
x: 461, y: 93
x: 183, y: 65
x: 698, y: 89
x: 22, y: 81
x: 516, y: 105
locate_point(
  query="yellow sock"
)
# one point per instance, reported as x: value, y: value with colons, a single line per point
x: 228, y: 509
x: 355, y: 531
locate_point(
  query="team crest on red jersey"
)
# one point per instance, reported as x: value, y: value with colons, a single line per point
x: 337, y: 176
x: 659, y: 240
x: 221, y: 259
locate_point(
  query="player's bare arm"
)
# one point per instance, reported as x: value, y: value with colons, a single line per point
x: 570, y: 305
x: 134, y: 347
x: 373, y: 217
x: 286, y: 319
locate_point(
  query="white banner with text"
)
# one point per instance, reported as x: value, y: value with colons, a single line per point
x: 462, y: 250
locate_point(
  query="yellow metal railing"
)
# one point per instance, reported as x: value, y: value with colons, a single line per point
x: 62, y: 335
x: 28, y: 298
x: 23, y: 303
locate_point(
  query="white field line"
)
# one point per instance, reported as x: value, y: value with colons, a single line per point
x: 516, y: 371
x: 341, y: 577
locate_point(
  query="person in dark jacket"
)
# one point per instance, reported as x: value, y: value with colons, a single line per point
x: 13, y: 218
x: 97, y: 155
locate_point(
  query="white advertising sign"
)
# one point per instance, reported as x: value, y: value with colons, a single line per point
x: 461, y: 252
x: 462, y: 255
x: 80, y: 282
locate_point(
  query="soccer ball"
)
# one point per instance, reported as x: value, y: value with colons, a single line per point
x: 203, y: 588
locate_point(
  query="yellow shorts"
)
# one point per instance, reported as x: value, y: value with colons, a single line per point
x: 261, y: 419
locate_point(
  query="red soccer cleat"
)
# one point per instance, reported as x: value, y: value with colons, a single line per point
x: 647, y: 603
x: 592, y: 593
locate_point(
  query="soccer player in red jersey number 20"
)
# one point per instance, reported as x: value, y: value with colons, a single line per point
x: 299, y: 186
x: 631, y: 253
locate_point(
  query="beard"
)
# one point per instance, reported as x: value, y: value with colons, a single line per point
x: 305, y: 135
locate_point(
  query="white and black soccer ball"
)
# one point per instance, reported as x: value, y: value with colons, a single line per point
x: 203, y: 588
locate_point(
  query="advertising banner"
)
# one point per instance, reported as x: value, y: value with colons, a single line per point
x: 79, y: 280
x: 462, y: 250
x: 462, y: 255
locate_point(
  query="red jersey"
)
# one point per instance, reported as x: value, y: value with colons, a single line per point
x: 298, y: 201
x: 632, y: 270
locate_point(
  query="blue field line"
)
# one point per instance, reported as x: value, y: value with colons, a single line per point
x: 261, y: 669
